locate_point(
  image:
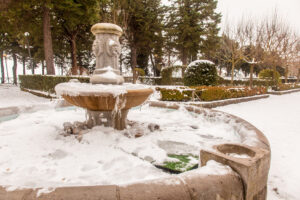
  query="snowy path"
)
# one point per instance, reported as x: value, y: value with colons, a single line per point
x: 278, y: 117
x: 12, y: 96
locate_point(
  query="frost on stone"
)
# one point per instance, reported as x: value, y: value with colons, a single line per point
x: 87, y: 89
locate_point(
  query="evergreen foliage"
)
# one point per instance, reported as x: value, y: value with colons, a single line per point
x: 268, y: 74
x: 200, y: 73
x: 193, y: 28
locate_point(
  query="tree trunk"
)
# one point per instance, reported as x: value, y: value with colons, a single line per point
x: 275, y: 83
x: 2, y: 68
x: 62, y: 69
x: 134, y: 62
x: 184, y: 63
x: 169, y: 59
x: 251, y: 76
x: 33, y: 66
x: 232, y: 73
x: 286, y: 72
x: 74, y: 55
x: 6, y: 69
x: 153, y: 64
x: 24, y: 65
x: 15, y: 68
x: 48, y: 50
x: 298, y: 77
x: 43, y: 68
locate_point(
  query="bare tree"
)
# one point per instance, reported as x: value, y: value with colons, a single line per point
x: 231, y: 47
x: 272, y: 33
x: 252, y: 45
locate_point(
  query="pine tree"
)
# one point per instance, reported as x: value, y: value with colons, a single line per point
x: 192, y: 25
x: 142, y: 24
x: 74, y: 19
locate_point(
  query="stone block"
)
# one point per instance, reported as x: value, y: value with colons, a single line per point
x: 253, y: 168
x: 213, y: 187
x: 162, y: 189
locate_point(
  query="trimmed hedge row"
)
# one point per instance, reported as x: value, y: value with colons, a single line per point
x: 208, y: 93
x: 46, y: 83
x: 282, y: 87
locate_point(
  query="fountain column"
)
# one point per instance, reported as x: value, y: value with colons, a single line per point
x: 106, y: 48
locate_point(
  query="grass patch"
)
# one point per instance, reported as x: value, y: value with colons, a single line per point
x: 184, y: 163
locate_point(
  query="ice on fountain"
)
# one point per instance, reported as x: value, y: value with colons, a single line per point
x: 87, y: 89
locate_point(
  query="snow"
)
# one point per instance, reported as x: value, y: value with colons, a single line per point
x: 12, y: 96
x: 235, y: 155
x: 87, y: 89
x: 34, y: 153
x: 278, y: 118
x: 196, y: 62
x: 111, y: 42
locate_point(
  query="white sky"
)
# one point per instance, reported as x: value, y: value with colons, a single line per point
x: 233, y: 10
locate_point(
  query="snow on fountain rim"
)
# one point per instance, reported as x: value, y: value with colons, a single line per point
x: 88, y: 89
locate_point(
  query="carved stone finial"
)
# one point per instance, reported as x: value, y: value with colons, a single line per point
x: 107, y: 49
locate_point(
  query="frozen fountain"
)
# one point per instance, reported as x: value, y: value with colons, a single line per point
x: 107, y: 99
x: 38, y: 162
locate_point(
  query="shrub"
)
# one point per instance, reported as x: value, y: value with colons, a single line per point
x: 140, y: 72
x: 200, y: 73
x: 46, y: 83
x: 209, y: 93
x: 282, y: 87
x: 268, y: 75
x: 166, y: 75
x: 176, y: 94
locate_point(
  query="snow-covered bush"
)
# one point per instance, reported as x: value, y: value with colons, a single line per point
x: 267, y: 74
x: 200, y: 72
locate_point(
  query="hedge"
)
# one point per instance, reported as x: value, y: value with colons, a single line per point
x: 46, y: 83
x: 282, y: 87
x: 208, y: 93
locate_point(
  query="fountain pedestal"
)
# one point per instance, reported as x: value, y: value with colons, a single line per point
x: 106, y: 48
x: 108, y: 119
x: 106, y: 99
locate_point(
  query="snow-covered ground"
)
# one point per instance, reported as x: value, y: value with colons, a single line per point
x: 11, y: 95
x: 32, y: 149
x: 278, y: 117
x: 34, y: 153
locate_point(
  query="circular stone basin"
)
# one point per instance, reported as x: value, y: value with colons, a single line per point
x: 35, y: 154
x: 107, y: 102
x: 100, y: 97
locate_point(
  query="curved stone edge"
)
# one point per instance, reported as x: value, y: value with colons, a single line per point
x: 261, y: 142
x: 253, y: 171
x: 214, y: 104
x: 284, y: 92
x: 230, y: 101
x: 190, y: 185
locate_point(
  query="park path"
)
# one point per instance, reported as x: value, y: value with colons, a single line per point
x: 11, y: 95
x: 278, y: 117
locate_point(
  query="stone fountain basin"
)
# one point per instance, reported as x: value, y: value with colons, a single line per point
x: 100, y: 97
x: 210, y: 182
x: 107, y: 102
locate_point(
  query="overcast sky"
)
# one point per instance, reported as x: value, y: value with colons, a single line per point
x: 233, y: 10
